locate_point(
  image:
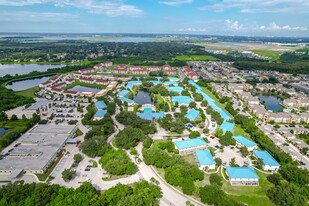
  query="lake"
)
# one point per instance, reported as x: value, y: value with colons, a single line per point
x: 84, y: 89
x: 2, y: 131
x: 19, y: 69
x: 26, y: 84
x: 143, y: 97
x: 270, y: 102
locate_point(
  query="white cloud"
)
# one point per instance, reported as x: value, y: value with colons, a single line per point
x: 110, y: 8
x: 233, y: 25
x: 27, y: 16
x: 176, y: 2
x: 260, y: 6
x: 274, y: 27
x: 189, y: 29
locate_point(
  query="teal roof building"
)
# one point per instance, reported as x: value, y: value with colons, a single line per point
x: 269, y: 162
x: 193, y: 114
x: 190, y: 145
x: 205, y: 159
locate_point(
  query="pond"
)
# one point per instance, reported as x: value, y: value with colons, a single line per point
x: 19, y: 69
x: 84, y: 89
x: 143, y: 97
x: 26, y: 84
x: 270, y: 102
x: 2, y: 131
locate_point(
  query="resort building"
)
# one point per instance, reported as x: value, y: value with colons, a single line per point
x: 242, y: 176
x: 241, y: 141
x: 182, y: 100
x: 269, y: 162
x: 100, y: 106
x: 123, y: 93
x: 149, y: 115
x: 205, y: 159
x: 227, y: 126
x: 190, y: 145
x: 193, y: 114
x: 130, y: 102
x: 175, y: 89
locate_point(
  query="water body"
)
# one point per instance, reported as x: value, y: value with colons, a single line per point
x: 270, y: 102
x: 2, y: 131
x: 26, y: 84
x: 143, y: 97
x: 19, y: 69
x: 84, y: 89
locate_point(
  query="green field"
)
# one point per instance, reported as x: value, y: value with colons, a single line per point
x: 251, y: 195
x: 78, y: 83
x: 240, y: 131
x: 214, y: 97
x: 195, y: 58
x: 29, y: 92
x: 274, y: 55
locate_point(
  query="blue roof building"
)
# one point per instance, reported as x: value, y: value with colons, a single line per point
x: 205, y: 159
x: 173, y: 79
x: 227, y: 126
x: 124, y: 99
x: 182, y: 100
x: 131, y: 84
x: 211, y: 102
x: 99, y: 114
x: 193, y: 114
x: 240, y: 176
x: 269, y: 162
x: 123, y: 93
x: 155, y: 82
x: 149, y: 115
x: 175, y: 89
x: 190, y: 145
x: 170, y: 83
x: 242, y: 141
x: 100, y: 105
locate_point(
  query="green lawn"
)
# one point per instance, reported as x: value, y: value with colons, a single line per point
x: 251, y: 195
x: 274, y: 55
x: 29, y: 92
x: 189, y: 158
x: 195, y: 58
x: 240, y: 131
x: 78, y: 83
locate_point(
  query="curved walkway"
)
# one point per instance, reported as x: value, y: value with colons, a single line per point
x: 213, y: 172
x: 223, y: 175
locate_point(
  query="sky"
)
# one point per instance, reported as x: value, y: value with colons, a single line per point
x: 212, y: 17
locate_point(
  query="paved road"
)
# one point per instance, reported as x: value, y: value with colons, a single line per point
x: 170, y: 196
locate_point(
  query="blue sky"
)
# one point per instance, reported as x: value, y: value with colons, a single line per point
x: 223, y: 17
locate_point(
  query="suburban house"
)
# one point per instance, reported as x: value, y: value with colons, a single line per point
x: 242, y: 176
x: 269, y: 162
x: 205, y: 159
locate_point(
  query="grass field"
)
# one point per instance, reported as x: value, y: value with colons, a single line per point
x: 29, y: 92
x: 240, y: 131
x: 78, y: 83
x: 251, y: 195
x: 195, y: 58
x: 274, y: 55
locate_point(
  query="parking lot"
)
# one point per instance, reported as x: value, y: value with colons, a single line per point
x: 228, y: 153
